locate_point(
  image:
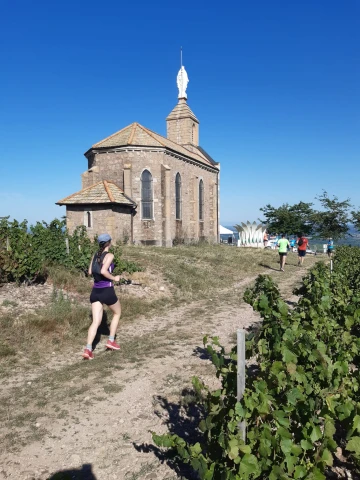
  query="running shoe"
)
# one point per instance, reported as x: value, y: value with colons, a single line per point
x: 88, y: 354
x: 112, y: 345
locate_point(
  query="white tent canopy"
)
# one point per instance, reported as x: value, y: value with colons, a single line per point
x: 225, y: 231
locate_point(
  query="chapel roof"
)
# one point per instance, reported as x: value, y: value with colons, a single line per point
x: 101, y: 192
x: 182, y: 110
x: 137, y: 135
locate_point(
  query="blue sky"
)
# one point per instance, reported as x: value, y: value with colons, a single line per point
x: 275, y: 86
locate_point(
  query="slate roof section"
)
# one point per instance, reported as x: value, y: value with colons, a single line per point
x: 99, y: 193
x: 207, y: 156
x: 182, y: 110
x: 137, y: 135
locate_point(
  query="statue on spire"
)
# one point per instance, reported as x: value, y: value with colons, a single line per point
x: 182, y: 81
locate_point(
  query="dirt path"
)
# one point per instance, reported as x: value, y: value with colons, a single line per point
x: 92, y: 419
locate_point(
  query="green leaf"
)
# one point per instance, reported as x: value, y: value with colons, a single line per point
x: 239, y: 410
x: 353, y: 445
x: 294, y: 395
x: 196, y: 449
x: 296, y: 450
x: 286, y: 444
x: 281, y: 417
x: 300, y: 472
x: 306, y: 445
x: 327, y: 457
x: 291, y: 368
x: 316, y: 434
x: 316, y: 474
x: 249, y: 465
x: 245, y: 448
x: 288, y: 356
x: 290, y: 462
x: 329, y: 428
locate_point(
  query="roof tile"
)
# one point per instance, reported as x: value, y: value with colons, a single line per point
x: 101, y: 192
x: 137, y: 135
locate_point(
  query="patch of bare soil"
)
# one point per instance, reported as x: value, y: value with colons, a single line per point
x: 92, y: 420
x: 24, y: 298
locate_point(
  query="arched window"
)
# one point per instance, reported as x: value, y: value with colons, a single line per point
x: 88, y: 219
x: 146, y: 196
x: 201, y: 200
x: 193, y: 134
x: 178, y: 196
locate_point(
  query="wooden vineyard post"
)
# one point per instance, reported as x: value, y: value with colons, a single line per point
x: 67, y: 245
x: 241, y: 375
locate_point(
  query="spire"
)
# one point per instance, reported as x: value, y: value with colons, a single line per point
x: 182, y: 124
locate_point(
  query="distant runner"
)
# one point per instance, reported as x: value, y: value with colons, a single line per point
x: 103, y: 293
x: 330, y: 247
x: 302, y: 243
x: 266, y: 238
x: 283, y: 245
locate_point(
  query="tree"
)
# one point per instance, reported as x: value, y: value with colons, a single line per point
x: 334, y: 219
x: 355, y: 219
x: 289, y: 219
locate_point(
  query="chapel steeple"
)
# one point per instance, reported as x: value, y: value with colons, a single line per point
x: 182, y: 124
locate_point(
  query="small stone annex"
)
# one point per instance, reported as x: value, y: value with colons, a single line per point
x: 148, y: 189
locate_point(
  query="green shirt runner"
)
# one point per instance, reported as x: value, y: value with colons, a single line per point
x: 283, y: 245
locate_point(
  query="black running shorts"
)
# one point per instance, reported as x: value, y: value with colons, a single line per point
x: 106, y: 295
x: 301, y: 253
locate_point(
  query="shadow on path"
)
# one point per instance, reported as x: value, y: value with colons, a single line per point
x: 268, y: 266
x: 181, y: 419
x: 83, y: 473
x: 202, y: 353
x: 102, y: 330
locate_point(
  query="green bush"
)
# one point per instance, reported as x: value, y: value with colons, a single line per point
x: 26, y: 252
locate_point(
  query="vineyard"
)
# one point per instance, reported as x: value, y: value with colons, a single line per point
x: 302, y: 400
x: 27, y: 252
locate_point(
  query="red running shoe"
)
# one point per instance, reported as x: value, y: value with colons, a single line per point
x: 88, y: 354
x: 112, y: 345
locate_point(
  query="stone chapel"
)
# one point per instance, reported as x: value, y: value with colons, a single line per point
x: 147, y: 189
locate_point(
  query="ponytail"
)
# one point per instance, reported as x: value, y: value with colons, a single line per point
x: 98, y: 254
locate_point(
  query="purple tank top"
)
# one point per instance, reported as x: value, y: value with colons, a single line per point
x: 105, y: 283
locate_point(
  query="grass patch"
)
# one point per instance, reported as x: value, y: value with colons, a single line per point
x: 9, y: 303
x: 6, y: 350
x: 113, y: 388
x: 70, y: 280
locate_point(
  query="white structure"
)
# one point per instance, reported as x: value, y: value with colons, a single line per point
x: 225, y: 231
x: 182, y: 81
x: 251, y: 234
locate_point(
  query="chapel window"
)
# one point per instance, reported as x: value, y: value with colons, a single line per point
x: 146, y: 196
x: 88, y: 220
x: 178, y: 196
x: 201, y: 200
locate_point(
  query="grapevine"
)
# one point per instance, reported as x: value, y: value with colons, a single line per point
x: 302, y: 402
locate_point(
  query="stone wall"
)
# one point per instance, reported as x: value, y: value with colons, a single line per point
x: 115, y: 220
x: 183, y: 131
x: 111, y: 165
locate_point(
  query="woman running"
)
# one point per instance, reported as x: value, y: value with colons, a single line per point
x: 103, y: 293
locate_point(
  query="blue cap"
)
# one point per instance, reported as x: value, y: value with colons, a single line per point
x: 104, y: 237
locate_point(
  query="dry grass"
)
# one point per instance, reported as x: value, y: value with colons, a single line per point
x: 70, y: 280
x: 200, y: 270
